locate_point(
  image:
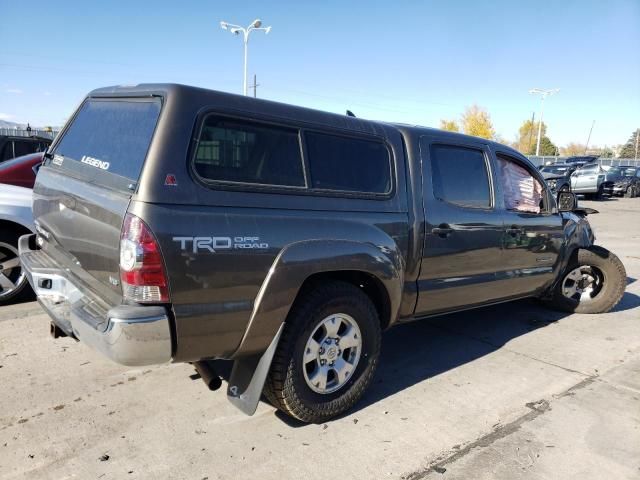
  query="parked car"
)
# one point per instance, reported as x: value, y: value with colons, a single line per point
x: 593, y: 181
x: 17, y: 146
x: 16, y: 219
x: 21, y: 171
x: 581, y: 160
x: 194, y: 225
x: 558, y: 177
x: 628, y: 183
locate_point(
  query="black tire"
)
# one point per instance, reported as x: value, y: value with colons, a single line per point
x: 613, y: 282
x: 286, y: 387
x: 629, y: 192
x: 600, y: 194
x: 8, y: 246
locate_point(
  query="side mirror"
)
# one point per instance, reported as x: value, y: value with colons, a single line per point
x: 567, y: 201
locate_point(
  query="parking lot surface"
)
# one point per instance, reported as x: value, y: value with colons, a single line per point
x: 511, y: 391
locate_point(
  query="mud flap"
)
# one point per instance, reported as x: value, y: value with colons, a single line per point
x: 248, y: 376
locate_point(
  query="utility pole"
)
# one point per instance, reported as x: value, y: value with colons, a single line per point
x: 586, y: 147
x: 533, y: 122
x: 237, y: 30
x: 255, y: 85
x: 543, y: 95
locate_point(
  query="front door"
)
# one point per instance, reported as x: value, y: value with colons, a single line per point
x: 532, y: 241
x: 463, y: 237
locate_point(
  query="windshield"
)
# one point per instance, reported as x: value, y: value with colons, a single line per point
x: 615, y: 171
x: 112, y: 135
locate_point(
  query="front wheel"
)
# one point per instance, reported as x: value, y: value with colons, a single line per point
x: 630, y: 192
x: 594, y: 282
x: 327, y: 354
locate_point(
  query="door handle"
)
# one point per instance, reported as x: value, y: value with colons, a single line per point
x: 443, y: 230
x: 515, y: 231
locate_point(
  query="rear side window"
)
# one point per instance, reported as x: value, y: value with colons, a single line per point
x: 460, y: 176
x: 112, y: 135
x: 348, y: 164
x: 246, y: 152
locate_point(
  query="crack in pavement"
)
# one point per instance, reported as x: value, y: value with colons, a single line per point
x: 536, y: 409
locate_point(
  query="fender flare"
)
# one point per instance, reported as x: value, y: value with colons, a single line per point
x: 290, y: 269
x: 299, y: 261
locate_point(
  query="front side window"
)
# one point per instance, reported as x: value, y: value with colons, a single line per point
x: 522, y: 191
x: 245, y: 152
x: 460, y: 176
x: 348, y: 164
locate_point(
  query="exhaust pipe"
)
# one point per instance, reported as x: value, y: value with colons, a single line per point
x: 56, y: 331
x: 209, y: 376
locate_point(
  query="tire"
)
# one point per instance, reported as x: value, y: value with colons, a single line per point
x: 288, y: 387
x: 13, y: 282
x: 608, y: 289
x: 630, y: 192
x: 600, y: 193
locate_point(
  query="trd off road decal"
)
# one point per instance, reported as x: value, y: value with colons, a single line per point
x: 213, y: 244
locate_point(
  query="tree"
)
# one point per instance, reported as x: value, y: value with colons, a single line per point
x: 477, y: 122
x: 629, y: 148
x: 573, y: 149
x: 449, y: 125
x: 547, y: 148
x: 528, y: 137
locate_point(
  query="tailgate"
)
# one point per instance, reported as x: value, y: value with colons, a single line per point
x: 83, y: 190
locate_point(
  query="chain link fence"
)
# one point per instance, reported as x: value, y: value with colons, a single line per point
x: 607, y: 162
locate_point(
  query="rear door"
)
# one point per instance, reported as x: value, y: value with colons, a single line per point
x: 463, y: 235
x: 83, y: 190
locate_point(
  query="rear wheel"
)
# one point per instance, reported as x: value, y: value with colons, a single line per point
x: 13, y: 280
x: 594, y: 282
x: 327, y: 354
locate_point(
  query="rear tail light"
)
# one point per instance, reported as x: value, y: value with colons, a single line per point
x: 142, y: 271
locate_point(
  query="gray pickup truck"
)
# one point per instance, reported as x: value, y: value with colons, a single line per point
x: 177, y: 224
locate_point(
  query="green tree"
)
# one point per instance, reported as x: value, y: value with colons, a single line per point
x: 629, y: 148
x: 449, y: 125
x: 477, y: 122
x: 547, y: 148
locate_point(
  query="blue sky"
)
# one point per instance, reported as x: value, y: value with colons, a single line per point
x: 406, y: 61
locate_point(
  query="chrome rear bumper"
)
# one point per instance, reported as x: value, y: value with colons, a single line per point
x: 127, y: 334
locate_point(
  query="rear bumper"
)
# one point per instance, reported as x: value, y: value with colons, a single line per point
x: 129, y: 335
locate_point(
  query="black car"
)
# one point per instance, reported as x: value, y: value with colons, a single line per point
x: 628, y: 184
x: 16, y: 146
x: 558, y: 177
x: 194, y: 225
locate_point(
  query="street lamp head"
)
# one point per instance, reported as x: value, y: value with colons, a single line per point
x: 267, y: 30
x: 235, y: 31
x: 224, y: 25
x: 256, y: 23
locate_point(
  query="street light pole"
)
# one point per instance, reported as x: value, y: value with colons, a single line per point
x: 236, y: 30
x: 543, y: 95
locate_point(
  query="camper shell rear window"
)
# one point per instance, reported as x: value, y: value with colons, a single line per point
x: 112, y: 135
